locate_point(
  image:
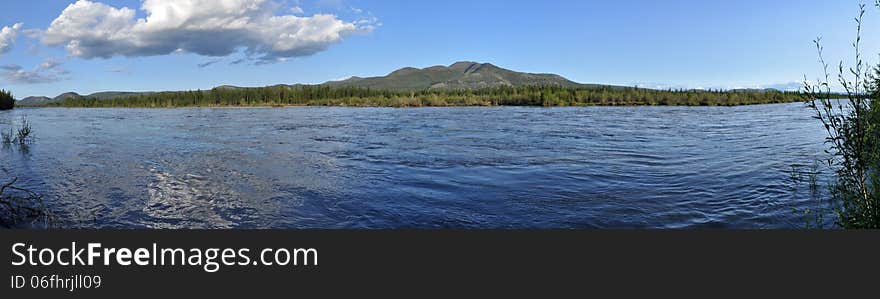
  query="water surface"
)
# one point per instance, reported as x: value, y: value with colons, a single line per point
x: 507, y: 167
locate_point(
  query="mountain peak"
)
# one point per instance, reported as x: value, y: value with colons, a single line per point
x: 404, y: 71
x: 459, y: 75
x: 66, y: 95
x: 462, y: 65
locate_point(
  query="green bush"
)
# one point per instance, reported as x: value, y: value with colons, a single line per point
x: 853, y: 137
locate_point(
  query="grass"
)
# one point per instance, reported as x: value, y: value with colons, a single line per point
x: 23, y: 135
x: 7, y: 137
x: 20, y: 206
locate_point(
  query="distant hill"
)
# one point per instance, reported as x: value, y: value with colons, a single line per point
x: 460, y: 75
x: 114, y: 94
x: 464, y: 75
x: 40, y: 101
x: 66, y: 95
x: 227, y: 87
x: 34, y: 101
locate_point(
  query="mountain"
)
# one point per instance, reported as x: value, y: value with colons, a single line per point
x: 769, y: 89
x: 114, y: 94
x: 459, y: 75
x: 66, y: 95
x: 227, y: 87
x: 33, y: 101
x: 40, y: 101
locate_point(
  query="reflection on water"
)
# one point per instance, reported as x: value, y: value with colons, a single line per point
x: 593, y: 167
x: 186, y: 202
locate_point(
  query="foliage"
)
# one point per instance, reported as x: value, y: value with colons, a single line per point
x: 23, y: 135
x: 853, y: 136
x: 7, y: 137
x: 6, y: 100
x: 25, y: 132
x: 551, y: 95
x: 813, y: 217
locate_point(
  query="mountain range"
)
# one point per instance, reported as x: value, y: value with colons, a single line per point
x: 459, y: 75
x: 41, y: 100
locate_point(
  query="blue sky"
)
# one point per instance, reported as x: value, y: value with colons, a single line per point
x: 692, y: 44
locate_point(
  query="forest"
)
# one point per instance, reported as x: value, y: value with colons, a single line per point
x: 547, y: 96
x: 6, y: 100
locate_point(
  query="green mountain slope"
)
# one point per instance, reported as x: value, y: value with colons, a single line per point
x: 460, y: 75
x: 42, y: 101
x: 33, y: 101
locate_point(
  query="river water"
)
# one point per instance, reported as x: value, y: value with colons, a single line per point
x: 500, y: 167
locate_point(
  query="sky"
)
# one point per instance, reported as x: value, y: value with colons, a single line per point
x: 51, y: 47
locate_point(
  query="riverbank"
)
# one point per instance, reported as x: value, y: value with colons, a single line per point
x: 390, y: 106
x: 536, y: 96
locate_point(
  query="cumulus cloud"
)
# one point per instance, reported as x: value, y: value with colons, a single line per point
x: 7, y: 37
x: 205, y: 27
x: 46, y: 72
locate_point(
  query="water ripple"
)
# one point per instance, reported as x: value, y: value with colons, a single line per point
x: 591, y: 167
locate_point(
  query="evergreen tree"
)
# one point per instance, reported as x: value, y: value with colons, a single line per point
x: 6, y: 100
x: 551, y: 95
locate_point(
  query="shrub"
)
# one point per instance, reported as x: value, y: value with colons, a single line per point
x: 23, y: 135
x: 853, y: 137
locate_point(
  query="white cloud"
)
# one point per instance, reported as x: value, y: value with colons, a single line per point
x: 30, y: 77
x: 205, y: 27
x: 49, y: 64
x: 46, y: 72
x: 297, y: 10
x: 8, y: 36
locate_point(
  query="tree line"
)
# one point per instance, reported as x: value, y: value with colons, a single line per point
x: 6, y: 100
x: 548, y: 96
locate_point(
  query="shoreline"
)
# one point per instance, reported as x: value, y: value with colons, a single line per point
x: 398, y: 107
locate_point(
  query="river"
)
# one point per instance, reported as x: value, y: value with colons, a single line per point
x: 499, y: 167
